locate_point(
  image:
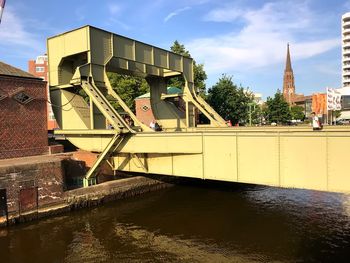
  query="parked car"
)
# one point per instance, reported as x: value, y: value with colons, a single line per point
x: 292, y: 122
x: 343, y: 122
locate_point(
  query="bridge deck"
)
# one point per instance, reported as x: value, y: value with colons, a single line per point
x: 297, y: 158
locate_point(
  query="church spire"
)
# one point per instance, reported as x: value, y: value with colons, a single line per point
x: 288, y: 61
x: 288, y: 80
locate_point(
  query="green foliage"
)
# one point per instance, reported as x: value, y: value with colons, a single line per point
x: 229, y: 100
x: 199, y: 78
x: 297, y: 113
x: 198, y: 71
x: 277, y: 109
x: 257, y: 114
x: 337, y: 113
x: 84, y: 95
x: 128, y: 88
x: 180, y: 49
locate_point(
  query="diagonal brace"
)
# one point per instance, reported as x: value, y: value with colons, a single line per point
x: 139, y: 162
x: 110, y: 148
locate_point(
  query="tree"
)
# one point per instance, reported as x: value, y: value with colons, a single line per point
x: 199, y: 74
x: 337, y: 113
x: 128, y: 88
x: 199, y: 78
x: 180, y: 49
x: 277, y: 109
x: 297, y: 113
x: 257, y: 114
x: 229, y: 100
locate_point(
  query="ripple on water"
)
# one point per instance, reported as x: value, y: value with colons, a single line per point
x: 193, y: 223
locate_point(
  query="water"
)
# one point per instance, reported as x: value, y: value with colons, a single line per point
x: 199, y: 222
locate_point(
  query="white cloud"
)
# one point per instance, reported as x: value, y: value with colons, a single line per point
x: 119, y: 23
x: 331, y: 68
x: 13, y: 32
x: 263, y: 39
x: 175, y: 13
x: 114, y: 9
x: 224, y: 15
x: 347, y: 4
x: 80, y: 13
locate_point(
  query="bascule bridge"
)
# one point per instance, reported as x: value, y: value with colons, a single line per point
x: 283, y: 157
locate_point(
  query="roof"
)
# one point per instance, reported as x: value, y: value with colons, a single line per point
x: 170, y: 90
x: 302, y: 98
x: 7, y: 70
x: 288, y: 61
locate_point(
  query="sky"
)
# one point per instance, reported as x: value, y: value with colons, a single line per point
x: 245, y: 39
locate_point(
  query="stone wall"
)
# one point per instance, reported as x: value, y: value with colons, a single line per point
x: 35, y: 187
x: 32, y: 182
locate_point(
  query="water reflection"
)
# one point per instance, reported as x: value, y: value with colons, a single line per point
x: 85, y: 247
x: 199, y: 222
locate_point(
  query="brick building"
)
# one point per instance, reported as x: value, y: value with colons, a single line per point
x: 23, y: 104
x: 288, y: 80
x: 39, y: 68
x: 289, y: 91
x: 143, y: 105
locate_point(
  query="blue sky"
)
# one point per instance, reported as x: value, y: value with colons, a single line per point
x: 243, y: 38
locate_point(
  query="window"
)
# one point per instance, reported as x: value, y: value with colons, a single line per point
x: 39, y: 69
x: 2, y: 95
x: 41, y: 59
x: 145, y: 108
x: 22, y: 98
x: 51, y: 116
x: 345, y: 102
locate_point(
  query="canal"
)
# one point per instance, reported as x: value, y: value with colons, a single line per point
x: 193, y: 222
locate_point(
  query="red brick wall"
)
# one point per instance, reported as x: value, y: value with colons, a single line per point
x: 32, y: 69
x: 145, y: 116
x: 89, y: 159
x: 51, y: 122
x: 23, y: 128
x: 44, y: 175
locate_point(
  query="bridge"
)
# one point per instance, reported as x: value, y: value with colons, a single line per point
x: 278, y: 156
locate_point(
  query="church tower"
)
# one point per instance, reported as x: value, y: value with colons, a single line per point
x: 288, y: 80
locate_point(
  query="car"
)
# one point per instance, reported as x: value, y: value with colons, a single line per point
x: 292, y: 122
x: 342, y: 122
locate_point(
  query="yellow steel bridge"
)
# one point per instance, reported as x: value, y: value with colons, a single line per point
x: 279, y: 156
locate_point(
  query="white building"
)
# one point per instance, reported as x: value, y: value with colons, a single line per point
x: 346, y: 50
x: 345, y: 102
x: 258, y: 97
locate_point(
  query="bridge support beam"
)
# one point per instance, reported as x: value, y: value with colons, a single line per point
x: 307, y: 160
